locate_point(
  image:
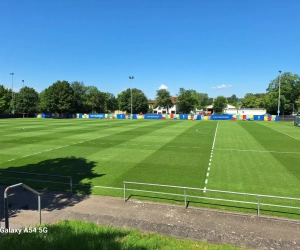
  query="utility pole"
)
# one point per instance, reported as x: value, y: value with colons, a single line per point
x: 12, y: 91
x: 278, y: 110
x: 131, y: 78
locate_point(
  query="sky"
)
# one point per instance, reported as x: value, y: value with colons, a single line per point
x: 218, y: 47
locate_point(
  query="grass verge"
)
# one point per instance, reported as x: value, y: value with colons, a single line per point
x: 86, y: 235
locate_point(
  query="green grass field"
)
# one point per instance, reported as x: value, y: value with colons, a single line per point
x: 239, y: 156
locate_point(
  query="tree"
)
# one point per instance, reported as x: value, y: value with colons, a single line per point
x: 94, y: 99
x: 139, y: 101
x: 27, y: 100
x: 220, y: 104
x: 79, y: 94
x: 5, y: 99
x: 186, y: 100
x: 248, y: 101
x: 289, y: 92
x: 111, y: 102
x: 163, y: 99
x: 59, y: 97
x: 233, y: 100
x: 202, y: 100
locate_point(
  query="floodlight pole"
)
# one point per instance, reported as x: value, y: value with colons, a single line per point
x: 23, y: 96
x: 12, y: 90
x: 278, y: 110
x: 131, y: 78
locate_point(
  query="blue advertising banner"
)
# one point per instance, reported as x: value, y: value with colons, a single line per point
x: 153, y: 116
x: 221, y: 117
x: 198, y: 117
x: 121, y: 116
x: 99, y: 116
x: 183, y: 117
x: 46, y: 115
x: 258, y: 117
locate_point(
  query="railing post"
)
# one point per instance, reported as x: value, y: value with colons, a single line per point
x: 258, y: 206
x: 71, y: 184
x: 185, y: 198
x: 6, y: 211
x: 39, y: 207
x: 124, y: 191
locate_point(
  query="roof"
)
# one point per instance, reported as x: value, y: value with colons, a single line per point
x: 228, y: 107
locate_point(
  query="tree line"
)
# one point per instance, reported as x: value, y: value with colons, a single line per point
x: 75, y: 97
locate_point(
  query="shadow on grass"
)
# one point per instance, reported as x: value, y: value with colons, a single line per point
x: 80, y: 169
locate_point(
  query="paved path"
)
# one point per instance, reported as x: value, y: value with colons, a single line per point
x: 172, y: 220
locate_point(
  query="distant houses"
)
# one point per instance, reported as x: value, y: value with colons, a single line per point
x: 208, y: 110
x: 164, y: 110
x: 232, y: 110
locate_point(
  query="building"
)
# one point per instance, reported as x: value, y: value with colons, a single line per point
x: 161, y: 110
x: 232, y: 110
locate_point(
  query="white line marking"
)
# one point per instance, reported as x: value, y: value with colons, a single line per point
x: 75, y: 143
x: 256, y: 151
x: 280, y: 132
x: 210, y: 158
x: 202, y: 132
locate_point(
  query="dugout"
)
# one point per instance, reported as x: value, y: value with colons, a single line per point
x: 297, y: 121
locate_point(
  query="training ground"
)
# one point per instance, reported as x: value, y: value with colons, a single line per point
x: 239, y: 156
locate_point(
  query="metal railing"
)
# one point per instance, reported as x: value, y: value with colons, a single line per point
x: 70, y: 183
x: 184, y: 194
x: 6, y: 202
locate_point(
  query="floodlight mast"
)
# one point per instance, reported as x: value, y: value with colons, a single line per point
x: 131, y: 78
x: 12, y: 91
x: 278, y: 110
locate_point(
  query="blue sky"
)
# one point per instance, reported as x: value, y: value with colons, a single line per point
x: 218, y: 47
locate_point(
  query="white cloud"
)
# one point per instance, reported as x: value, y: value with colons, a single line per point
x: 163, y: 87
x: 223, y: 86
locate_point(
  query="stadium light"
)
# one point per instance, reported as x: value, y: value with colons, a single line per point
x: 131, y: 78
x: 12, y: 91
x: 278, y: 110
x: 23, y: 83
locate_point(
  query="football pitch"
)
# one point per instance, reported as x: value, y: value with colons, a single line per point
x: 238, y: 156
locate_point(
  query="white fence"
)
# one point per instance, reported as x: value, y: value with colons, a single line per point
x: 185, y: 195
